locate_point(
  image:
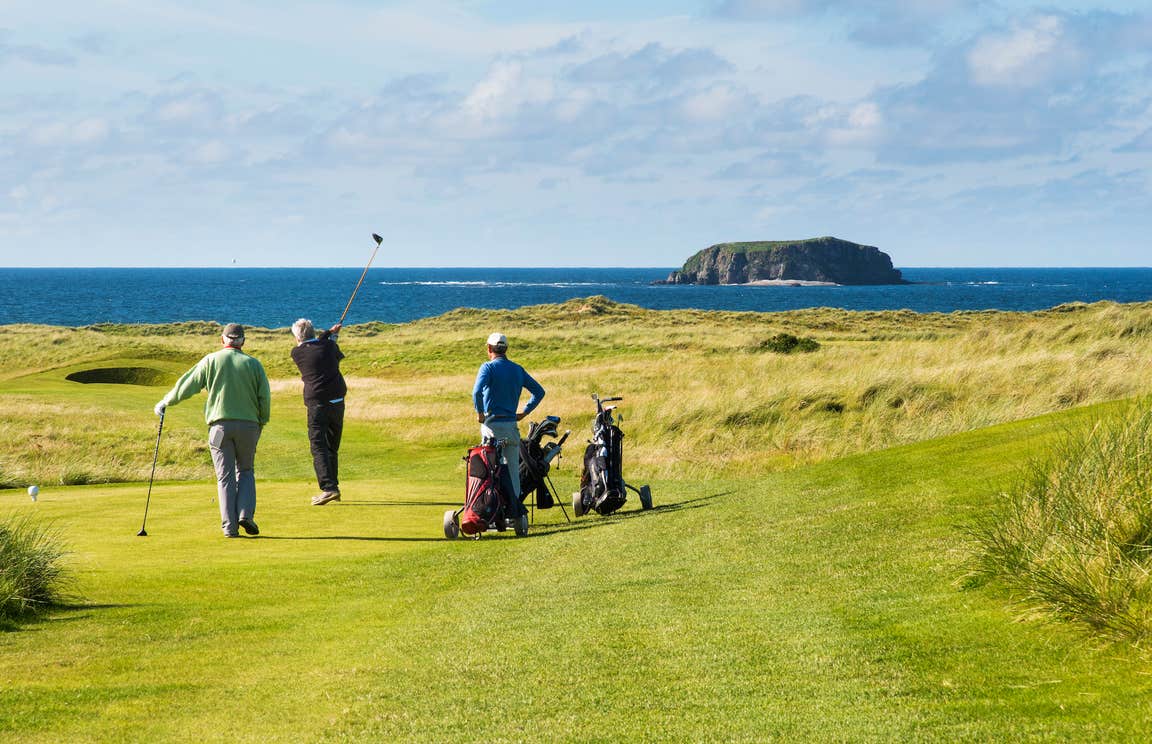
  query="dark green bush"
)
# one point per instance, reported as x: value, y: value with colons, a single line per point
x: 786, y: 343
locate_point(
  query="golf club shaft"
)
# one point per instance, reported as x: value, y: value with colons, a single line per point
x: 364, y: 273
x: 155, y: 456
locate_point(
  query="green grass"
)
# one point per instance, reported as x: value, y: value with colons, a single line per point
x: 800, y: 579
x: 818, y: 604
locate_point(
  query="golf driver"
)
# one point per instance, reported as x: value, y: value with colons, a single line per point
x: 378, y: 239
x: 155, y: 455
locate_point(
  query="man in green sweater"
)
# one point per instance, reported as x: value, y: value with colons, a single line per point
x: 238, y: 406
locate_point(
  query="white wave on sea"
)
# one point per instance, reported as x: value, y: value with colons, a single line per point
x: 495, y: 284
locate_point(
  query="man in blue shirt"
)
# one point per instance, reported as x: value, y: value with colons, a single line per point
x: 496, y: 396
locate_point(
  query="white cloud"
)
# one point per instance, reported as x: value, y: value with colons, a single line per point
x: 716, y: 103
x: 502, y: 92
x: 88, y: 131
x: 187, y: 107
x: 211, y: 153
x: 1033, y: 88
x: 336, y: 113
x: 1141, y: 143
x: 862, y: 126
x: 651, y: 66
x: 31, y: 54
x: 1025, y: 56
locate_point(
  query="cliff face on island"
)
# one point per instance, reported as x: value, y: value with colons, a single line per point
x: 815, y: 260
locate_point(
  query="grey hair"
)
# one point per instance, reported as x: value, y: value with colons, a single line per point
x: 235, y: 343
x: 303, y: 330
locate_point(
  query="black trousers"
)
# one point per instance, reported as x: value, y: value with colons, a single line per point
x: 325, y: 426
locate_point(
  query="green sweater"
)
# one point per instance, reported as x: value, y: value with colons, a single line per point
x: 236, y: 383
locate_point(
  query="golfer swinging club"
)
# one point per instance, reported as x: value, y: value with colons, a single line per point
x: 318, y: 359
x: 496, y: 395
x: 238, y: 406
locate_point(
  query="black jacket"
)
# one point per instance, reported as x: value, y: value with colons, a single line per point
x: 319, y: 365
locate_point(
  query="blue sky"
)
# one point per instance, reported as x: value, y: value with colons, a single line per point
x: 517, y: 133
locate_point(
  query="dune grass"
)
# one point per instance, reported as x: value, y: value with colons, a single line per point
x: 1072, y: 537
x: 877, y: 379
x: 33, y: 578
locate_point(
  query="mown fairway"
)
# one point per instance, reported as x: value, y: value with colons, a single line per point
x: 822, y: 602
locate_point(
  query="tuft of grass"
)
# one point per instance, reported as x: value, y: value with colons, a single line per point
x: 786, y: 343
x: 1072, y: 539
x: 32, y: 578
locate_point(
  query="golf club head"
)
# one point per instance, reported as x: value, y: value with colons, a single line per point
x: 377, y: 238
x: 141, y: 533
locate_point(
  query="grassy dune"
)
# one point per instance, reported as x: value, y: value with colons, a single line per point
x: 689, y: 377
x: 800, y: 578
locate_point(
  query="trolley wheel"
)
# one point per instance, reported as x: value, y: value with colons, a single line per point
x: 578, y: 504
x: 521, y: 526
x: 645, y: 498
x: 451, y: 528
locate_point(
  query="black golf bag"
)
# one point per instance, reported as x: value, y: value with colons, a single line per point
x: 602, y: 486
x: 536, y: 461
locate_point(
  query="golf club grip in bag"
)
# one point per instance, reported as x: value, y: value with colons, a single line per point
x: 483, y: 497
x: 533, y: 469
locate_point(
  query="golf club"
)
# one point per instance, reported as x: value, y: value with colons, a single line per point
x: 378, y: 239
x: 155, y: 455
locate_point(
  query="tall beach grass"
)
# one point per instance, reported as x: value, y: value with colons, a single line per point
x: 706, y: 393
x: 32, y: 576
x: 1072, y: 538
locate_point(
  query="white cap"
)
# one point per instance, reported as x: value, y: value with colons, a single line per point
x: 497, y: 339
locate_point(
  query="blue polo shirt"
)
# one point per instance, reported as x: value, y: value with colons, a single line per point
x: 497, y: 389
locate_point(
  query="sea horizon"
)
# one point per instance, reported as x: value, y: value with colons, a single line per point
x: 273, y: 297
x: 532, y: 268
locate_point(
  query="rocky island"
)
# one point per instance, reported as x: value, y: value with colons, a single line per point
x: 789, y: 262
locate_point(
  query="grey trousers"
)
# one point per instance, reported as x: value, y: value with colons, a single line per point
x: 233, y: 445
x: 508, y: 431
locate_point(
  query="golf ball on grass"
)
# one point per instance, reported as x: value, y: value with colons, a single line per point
x: 33, y: 491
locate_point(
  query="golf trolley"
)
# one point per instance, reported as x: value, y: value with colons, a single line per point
x: 488, y: 503
x: 487, y: 495
x: 602, y: 486
x: 536, y: 461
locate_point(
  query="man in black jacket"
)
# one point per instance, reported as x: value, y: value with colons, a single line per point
x: 318, y: 359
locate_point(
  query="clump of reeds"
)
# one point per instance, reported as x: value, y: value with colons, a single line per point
x: 1072, y: 538
x: 32, y: 576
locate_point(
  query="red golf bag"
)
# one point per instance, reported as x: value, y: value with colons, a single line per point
x: 483, y: 494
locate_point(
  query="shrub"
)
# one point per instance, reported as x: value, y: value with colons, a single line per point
x: 786, y: 343
x: 32, y: 578
x: 1072, y: 539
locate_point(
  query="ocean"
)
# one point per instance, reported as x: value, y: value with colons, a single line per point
x: 273, y: 298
